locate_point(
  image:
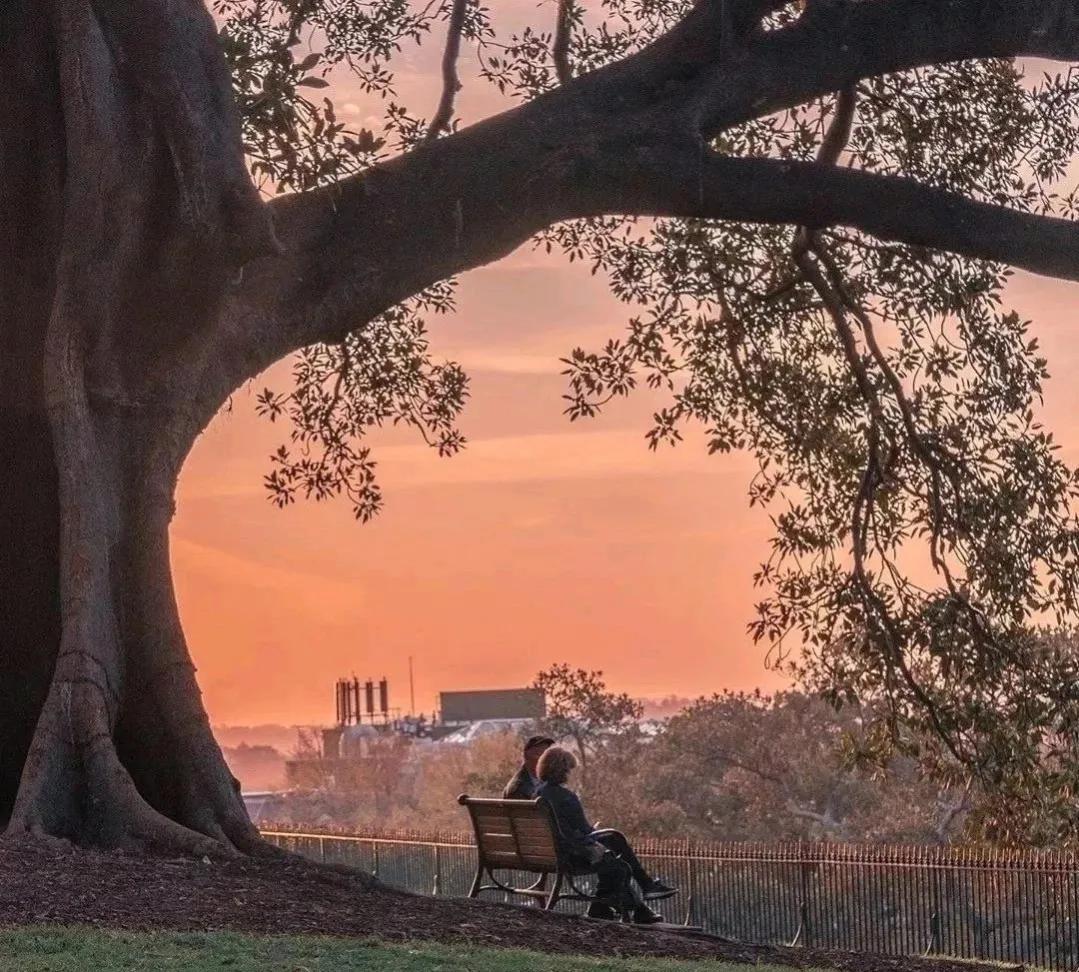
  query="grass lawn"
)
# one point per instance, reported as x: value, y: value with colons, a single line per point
x: 88, y: 950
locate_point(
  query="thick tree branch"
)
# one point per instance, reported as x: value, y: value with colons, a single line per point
x: 807, y: 193
x: 626, y: 140
x: 508, y: 179
x: 711, y: 31
x: 846, y: 42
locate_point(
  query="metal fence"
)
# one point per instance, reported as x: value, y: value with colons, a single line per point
x: 1007, y: 906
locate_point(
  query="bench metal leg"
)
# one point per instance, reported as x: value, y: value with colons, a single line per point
x: 475, y: 890
x: 552, y: 898
x: 540, y: 885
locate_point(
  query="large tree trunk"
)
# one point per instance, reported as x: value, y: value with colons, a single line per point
x: 31, y: 154
x: 124, y: 213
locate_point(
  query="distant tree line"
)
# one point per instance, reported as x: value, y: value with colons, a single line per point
x: 733, y: 766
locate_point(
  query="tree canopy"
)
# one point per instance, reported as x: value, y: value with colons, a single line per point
x: 830, y: 296
x: 581, y: 709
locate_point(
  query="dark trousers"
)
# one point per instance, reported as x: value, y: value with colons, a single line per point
x: 613, y: 876
x: 615, y: 841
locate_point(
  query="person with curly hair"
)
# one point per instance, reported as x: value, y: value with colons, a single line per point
x: 606, y: 852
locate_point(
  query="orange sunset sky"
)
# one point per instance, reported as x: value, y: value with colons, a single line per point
x: 542, y: 542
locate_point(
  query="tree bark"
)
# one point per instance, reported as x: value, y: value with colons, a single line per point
x: 121, y: 228
x: 31, y: 155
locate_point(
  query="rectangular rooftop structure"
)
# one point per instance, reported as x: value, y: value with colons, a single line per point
x: 522, y: 703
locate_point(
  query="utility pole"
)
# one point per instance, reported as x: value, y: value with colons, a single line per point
x: 411, y: 689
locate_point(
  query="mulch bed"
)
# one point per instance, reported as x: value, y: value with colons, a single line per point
x: 47, y: 883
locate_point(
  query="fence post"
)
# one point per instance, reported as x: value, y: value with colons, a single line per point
x: 374, y: 870
x: 437, y: 890
x: 805, y: 933
x: 692, y: 893
x: 322, y: 849
x: 934, y: 932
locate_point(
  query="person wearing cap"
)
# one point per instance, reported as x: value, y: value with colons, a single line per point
x: 525, y: 782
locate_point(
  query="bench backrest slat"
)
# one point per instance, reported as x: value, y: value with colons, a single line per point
x: 513, y: 834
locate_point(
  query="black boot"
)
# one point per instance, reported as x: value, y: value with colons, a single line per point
x: 604, y: 912
x: 643, y: 915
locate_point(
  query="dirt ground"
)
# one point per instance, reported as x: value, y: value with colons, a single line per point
x: 46, y: 883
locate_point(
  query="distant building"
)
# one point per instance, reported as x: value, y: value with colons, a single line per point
x: 369, y: 739
x: 462, y: 707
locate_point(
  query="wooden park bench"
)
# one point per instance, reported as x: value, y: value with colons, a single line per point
x: 522, y: 835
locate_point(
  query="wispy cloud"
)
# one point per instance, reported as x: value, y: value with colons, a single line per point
x: 570, y: 455
x: 617, y: 453
x: 476, y: 360
x: 212, y: 568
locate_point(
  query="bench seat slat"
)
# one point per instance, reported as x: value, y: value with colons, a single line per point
x: 506, y: 858
x: 493, y: 827
x: 532, y: 828
x: 498, y: 843
x: 544, y: 843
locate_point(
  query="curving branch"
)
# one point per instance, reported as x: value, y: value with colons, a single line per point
x: 810, y: 255
x: 662, y: 182
x: 626, y: 139
x: 838, y: 134
x: 837, y: 44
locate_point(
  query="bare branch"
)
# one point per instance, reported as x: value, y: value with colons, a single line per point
x: 949, y: 811
x: 838, y: 134
x: 560, y: 47
x: 835, y: 309
x: 826, y: 820
x: 451, y: 83
x: 754, y: 768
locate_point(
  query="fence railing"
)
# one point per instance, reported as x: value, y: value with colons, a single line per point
x: 965, y: 902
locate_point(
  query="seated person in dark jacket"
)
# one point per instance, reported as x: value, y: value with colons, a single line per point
x: 524, y: 783
x: 606, y: 851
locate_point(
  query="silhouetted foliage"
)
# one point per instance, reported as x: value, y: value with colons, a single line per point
x: 582, y: 709
x: 922, y: 514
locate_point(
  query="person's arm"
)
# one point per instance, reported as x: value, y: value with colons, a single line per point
x: 582, y: 829
x: 561, y: 802
x: 588, y: 846
x: 519, y: 787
